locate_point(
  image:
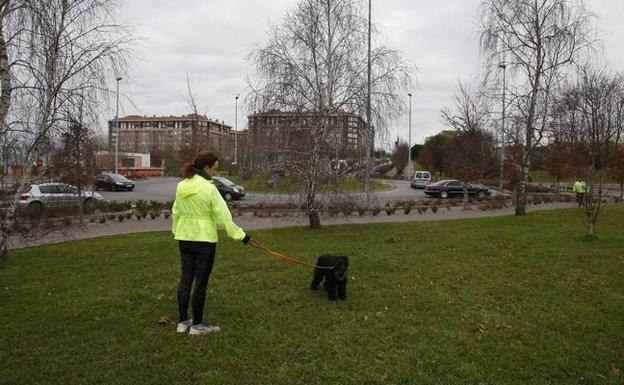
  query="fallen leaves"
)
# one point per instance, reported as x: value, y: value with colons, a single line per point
x: 164, y: 321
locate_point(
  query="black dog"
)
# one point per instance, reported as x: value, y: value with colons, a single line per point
x: 335, y: 278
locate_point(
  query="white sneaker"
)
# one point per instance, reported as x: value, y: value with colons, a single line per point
x: 203, y: 329
x: 184, y: 326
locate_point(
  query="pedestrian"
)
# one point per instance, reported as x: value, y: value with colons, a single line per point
x: 580, y: 189
x: 197, y: 212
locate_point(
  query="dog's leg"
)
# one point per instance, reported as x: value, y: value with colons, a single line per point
x: 316, y: 280
x: 342, y: 289
x: 330, y: 286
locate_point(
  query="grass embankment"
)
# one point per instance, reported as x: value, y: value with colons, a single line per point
x: 513, y: 300
x: 258, y: 183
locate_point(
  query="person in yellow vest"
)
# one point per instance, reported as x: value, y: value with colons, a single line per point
x: 580, y: 189
x: 197, y: 212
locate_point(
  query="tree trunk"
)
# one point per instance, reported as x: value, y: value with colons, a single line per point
x: 591, y: 228
x: 465, y: 198
x: 5, y: 104
x: 521, y: 200
x: 315, y: 219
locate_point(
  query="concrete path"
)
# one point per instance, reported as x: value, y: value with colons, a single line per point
x: 249, y: 222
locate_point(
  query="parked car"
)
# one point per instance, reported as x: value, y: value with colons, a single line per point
x: 453, y: 188
x: 229, y: 191
x: 113, y: 182
x: 37, y: 197
x: 421, y: 179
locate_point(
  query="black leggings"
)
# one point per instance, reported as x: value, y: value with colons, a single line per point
x: 197, y: 260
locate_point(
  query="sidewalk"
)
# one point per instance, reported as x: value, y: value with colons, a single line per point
x: 250, y: 222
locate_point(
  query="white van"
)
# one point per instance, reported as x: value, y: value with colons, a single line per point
x: 421, y: 179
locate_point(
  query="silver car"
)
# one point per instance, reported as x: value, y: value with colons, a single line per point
x: 54, y: 195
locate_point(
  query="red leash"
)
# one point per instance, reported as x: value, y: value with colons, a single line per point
x: 258, y: 245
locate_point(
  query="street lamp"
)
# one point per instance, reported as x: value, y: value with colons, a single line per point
x: 410, y: 166
x: 117, y: 128
x: 502, y: 150
x: 236, y: 133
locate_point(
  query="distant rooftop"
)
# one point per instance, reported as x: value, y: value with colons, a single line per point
x: 295, y: 113
x: 156, y: 118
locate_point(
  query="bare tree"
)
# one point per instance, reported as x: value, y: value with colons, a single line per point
x: 399, y: 156
x: 62, y: 54
x: 594, y: 126
x: 315, y: 64
x: 537, y: 40
x: 74, y: 160
x: 470, y: 110
x: 472, y: 149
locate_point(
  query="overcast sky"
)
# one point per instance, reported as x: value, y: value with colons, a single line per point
x: 210, y: 40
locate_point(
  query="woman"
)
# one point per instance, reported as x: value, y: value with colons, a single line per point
x: 197, y: 211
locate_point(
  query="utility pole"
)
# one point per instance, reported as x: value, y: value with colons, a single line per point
x: 117, y: 128
x: 502, y: 149
x: 236, y: 133
x: 410, y: 166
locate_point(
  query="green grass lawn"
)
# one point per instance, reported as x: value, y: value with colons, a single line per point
x: 512, y: 300
x: 258, y: 183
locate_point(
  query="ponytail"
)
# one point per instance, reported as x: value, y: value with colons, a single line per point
x: 203, y: 159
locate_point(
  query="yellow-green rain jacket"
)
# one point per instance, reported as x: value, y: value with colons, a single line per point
x: 199, y: 210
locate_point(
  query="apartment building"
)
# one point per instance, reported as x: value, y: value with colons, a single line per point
x: 171, y: 134
x: 272, y: 132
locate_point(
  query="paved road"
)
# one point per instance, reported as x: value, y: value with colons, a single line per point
x: 163, y: 189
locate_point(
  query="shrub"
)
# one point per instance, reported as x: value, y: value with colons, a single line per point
x: 121, y: 217
x: 375, y: 211
x: 390, y: 209
x: 167, y: 214
x: 102, y: 219
x: 407, y: 209
x: 361, y: 210
x: 129, y: 215
x: 434, y: 209
x: 347, y: 209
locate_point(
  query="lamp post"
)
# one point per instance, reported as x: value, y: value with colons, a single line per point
x: 502, y: 150
x: 236, y: 132
x: 410, y: 166
x: 117, y: 128
x: 368, y: 113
